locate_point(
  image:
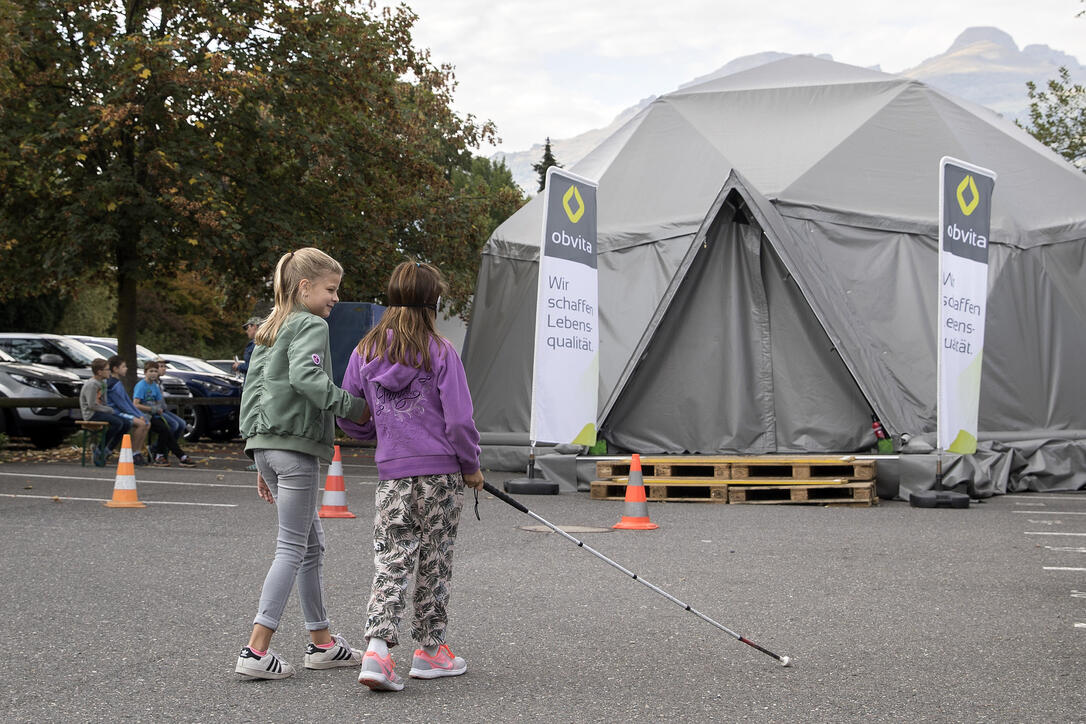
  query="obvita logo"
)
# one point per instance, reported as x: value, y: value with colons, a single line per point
x: 575, y: 194
x: 970, y: 207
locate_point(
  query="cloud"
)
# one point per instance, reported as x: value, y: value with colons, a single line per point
x: 562, y: 67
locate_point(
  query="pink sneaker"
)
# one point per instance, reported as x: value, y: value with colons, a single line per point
x: 379, y: 673
x: 443, y: 663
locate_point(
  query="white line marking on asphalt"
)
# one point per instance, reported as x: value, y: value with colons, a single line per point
x: 1066, y: 549
x: 1039, y: 505
x: 106, y: 500
x: 1080, y: 625
x: 140, y: 482
x: 155, y: 482
x: 1046, y: 532
x: 1070, y: 497
x: 1062, y: 568
x: 1050, y: 512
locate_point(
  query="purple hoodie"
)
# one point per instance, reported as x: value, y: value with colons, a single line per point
x: 422, y: 420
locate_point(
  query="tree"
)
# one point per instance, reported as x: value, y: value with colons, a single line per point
x: 487, y: 195
x: 547, y: 161
x: 143, y: 140
x: 1057, y: 117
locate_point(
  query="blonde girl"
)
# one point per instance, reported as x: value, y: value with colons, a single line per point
x: 288, y: 406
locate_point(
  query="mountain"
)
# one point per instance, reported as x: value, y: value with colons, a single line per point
x: 983, y: 65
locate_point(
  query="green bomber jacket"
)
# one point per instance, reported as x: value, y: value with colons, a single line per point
x: 289, y: 401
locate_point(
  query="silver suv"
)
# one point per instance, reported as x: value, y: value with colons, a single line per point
x: 70, y: 355
x: 45, y: 426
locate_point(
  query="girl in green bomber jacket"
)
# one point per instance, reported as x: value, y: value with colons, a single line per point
x: 288, y: 406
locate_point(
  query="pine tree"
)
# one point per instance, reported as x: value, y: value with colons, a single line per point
x: 548, y: 161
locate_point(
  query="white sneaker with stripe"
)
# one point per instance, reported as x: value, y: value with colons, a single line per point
x: 339, y: 655
x: 268, y: 666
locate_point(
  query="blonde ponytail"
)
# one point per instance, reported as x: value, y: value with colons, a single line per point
x: 293, y: 267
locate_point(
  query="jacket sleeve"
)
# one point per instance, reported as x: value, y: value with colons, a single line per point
x: 88, y: 399
x: 352, y: 382
x: 307, y: 375
x: 460, y: 430
x: 120, y: 401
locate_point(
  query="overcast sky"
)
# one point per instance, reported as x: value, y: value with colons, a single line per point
x: 558, y: 68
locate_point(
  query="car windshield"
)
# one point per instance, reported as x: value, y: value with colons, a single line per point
x: 142, y: 353
x: 101, y: 349
x: 75, y: 350
x: 198, y: 365
x: 31, y: 349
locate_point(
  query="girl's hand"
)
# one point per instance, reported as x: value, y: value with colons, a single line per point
x: 365, y: 416
x: 262, y: 489
x: 474, y: 480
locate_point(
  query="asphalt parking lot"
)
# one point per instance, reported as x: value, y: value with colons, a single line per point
x: 890, y: 613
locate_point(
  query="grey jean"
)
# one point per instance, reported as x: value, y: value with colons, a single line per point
x: 294, y: 480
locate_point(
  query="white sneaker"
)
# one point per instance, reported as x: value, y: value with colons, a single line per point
x: 339, y: 655
x: 268, y: 666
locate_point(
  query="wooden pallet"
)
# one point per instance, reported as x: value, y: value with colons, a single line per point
x: 761, y: 467
x: 624, y: 480
x: 704, y: 491
x: 860, y: 494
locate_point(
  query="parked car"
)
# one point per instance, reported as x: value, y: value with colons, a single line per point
x: 218, y: 422
x: 53, y: 350
x: 72, y: 355
x: 225, y: 365
x: 196, y: 364
x: 45, y: 426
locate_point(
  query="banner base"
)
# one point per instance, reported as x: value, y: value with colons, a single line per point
x: 531, y: 486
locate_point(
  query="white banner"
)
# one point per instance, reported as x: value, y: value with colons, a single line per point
x: 565, y: 370
x: 965, y: 214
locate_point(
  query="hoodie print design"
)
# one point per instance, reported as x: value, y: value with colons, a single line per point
x: 406, y: 404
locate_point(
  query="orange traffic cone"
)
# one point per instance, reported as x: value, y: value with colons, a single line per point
x: 636, y: 514
x: 124, y: 489
x: 335, y: 494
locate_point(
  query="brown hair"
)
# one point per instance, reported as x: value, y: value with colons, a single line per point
x: 293, y: 267
x: 98, y: 365
x: 152, y: 363
x: 413, y: 292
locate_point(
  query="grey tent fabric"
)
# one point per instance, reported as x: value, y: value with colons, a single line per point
x: 767, y: 270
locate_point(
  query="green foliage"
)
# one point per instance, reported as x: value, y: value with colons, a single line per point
x: 91, y: 311
x: 486, y: 195
x: 143, y: 140
x: 1057, y: 117
x: 186, y: 315
x: 546, y: 162
x: 33, y: 313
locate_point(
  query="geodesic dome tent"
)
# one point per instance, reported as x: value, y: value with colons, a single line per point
x: 767, y: 276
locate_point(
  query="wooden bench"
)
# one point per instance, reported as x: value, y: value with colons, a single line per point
x: 95, y: 428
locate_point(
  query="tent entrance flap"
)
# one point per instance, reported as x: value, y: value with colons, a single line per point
x: 738, y: 362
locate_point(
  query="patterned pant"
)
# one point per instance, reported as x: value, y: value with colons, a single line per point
x: 416, y: 523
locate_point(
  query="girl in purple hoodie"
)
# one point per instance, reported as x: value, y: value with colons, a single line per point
x: 427, y: 451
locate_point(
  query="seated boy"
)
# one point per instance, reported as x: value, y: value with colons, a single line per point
x: 93, y: 407
x: 148, y: 398
x: 119, y: 400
